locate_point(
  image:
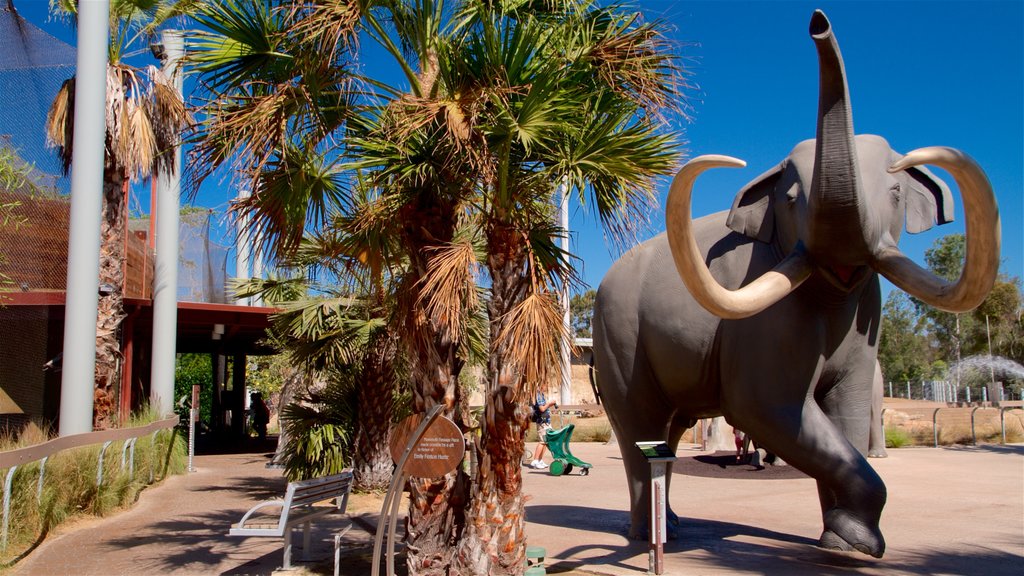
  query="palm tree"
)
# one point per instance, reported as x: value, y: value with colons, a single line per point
x: 343, y: 321
x: 568, y: 93
x: 506, y: 100
x: 145, y: 117
x: 279, y: 96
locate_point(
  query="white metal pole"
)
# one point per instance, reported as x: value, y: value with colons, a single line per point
x: 165, y: 278
x: 565, y: 391
x: 82, y: 293
x: 243, y: 248
x: 991, y: 368
x: 257, y: 267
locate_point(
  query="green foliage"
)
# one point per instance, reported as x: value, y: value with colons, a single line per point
x: 15, y: 175
x: 902, y: 349
x: 581, y: 311
x: 320, y: 429
x: 267, y: 373
x: 896, y: 438
x: 919, y: 342
x: 189, y: 370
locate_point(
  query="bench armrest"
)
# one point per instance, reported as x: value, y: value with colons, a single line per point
x: 278, y: 503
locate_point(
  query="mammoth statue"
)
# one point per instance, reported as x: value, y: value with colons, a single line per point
x: 769, y: 313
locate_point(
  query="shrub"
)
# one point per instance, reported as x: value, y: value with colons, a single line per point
x: 896, y: 438
x: 69, y: 484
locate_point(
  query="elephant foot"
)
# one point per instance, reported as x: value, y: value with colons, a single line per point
x: 878, y: 453
x: 846, y: 533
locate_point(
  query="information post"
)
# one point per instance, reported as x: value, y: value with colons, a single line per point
x: 658, y: 455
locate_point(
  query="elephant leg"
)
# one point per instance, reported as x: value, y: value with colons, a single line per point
x: 638, y: 411
x: 851, y: 493
x: 676, y: 431
x: 876, y: 444
x: 634, y: 426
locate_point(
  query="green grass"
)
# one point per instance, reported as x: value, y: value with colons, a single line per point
x: 69, y: 484
x: 897, y: 438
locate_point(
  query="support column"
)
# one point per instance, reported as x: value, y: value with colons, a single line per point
x: 238, y: 396
x: 124, y: 397
x: 243, y: 248
x: 565, y: 390
x: 165, y: 280
x: 78, y: 379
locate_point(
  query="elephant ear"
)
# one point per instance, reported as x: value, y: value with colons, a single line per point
x: 928, y: 200
x: 752, y: 214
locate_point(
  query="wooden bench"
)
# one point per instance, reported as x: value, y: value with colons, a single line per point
x: 303, y: 502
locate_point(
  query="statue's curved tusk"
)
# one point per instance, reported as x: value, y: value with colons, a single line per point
x: 766, y: 290
x: 982, y: 235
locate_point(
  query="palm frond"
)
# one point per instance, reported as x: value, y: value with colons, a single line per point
x: 530, y: 334
x: 329, y: 25
x: 448, y: 290
x: 271, y: 290
x: 241, y: 43
x: 293, y: 191
x: 60, y: 124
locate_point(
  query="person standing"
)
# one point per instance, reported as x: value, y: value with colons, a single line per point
x: 739, y: 439
x: 542, y: 418
x: 260, y: 414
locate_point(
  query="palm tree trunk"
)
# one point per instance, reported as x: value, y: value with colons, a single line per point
x: 111, y: 300
x: 372, y: 461
x: 437, y: 507
x: 292, y: 382
x: 495, y: 541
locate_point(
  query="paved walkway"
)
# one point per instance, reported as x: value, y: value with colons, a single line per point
x: 950, y: 511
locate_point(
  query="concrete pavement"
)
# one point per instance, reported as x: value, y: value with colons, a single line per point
x: 950, y: 511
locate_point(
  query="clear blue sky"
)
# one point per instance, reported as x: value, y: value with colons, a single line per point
x: 920, y: 74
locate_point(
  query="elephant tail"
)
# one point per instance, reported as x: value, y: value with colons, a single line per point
x: 593, y: 379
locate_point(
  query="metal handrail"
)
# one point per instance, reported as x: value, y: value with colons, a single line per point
x: 21, y: 456
x: 12, y: 459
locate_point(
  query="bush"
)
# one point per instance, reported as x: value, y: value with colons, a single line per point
x: 194, y: 369
x: 896, y: 438
x: 69, y: 484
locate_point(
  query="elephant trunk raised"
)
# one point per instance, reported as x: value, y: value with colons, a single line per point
x: 840, y: 241
x: 836, y: 202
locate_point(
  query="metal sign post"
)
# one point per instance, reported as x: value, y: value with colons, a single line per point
x: 658, y: 455
x: 425, y: 446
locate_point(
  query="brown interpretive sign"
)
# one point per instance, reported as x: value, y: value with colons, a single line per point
x: 438, y: 452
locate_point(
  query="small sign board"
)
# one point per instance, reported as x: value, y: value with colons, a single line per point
x: 656, y: 450
x: 438, y: 452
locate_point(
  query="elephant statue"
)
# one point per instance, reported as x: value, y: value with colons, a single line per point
x: 771, y: 312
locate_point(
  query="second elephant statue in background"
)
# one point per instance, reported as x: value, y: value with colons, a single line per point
x: 769, y: 313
